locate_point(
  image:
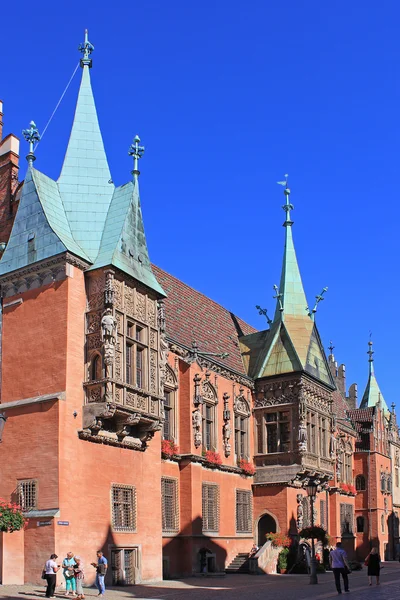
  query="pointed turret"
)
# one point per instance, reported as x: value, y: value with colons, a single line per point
x: 372, y: 395
x: 293, y: 343
x: 85, y: 182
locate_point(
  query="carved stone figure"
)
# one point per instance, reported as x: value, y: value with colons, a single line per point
x: 227, y: 431
x: 300, y: 512
x: 109, y: 289
x: 163, y: 361
x: 332, y: 446
x: 197, y: 421
x: 302, y: 438
x: 108, y: 327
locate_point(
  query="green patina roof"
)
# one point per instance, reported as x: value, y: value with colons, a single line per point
x: 123, y: 243
x: 373, y: 394
x: 85, y: 177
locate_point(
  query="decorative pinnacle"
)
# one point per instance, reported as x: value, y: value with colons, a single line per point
x: 288, y: 206
x: 86, y: 48
x: 370, y: 351
x: 263, y: 311
x: 278, y: 296
x: 319, y: 299
x: 31, y: 135
x: 137, y: 152
x: 194, y: 353
x: 331, y: 347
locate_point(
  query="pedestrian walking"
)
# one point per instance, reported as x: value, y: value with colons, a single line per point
x: 373, y: 562
x: 50, y: 570
x: 69, y: 574
x: 79, y: 577
x: 101, y: 570
x: 340, y: 567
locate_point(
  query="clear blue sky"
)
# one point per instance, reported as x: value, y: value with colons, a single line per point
x: 227, y: 96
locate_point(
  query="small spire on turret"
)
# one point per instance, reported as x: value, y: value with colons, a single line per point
x: 288, y: 206
x: 137, y: 152
x: 370, y: 354
x: 86, y: 48
x: 31, y: 135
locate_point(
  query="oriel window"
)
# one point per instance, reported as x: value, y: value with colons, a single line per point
x: 135, y: 355
x: 277, y: 431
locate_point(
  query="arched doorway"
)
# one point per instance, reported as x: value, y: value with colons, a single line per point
x: 266, y: 524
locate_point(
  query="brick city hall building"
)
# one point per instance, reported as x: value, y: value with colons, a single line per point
x: 125, y: 400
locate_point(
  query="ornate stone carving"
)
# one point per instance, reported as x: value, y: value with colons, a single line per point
x: 118, y: 292
x: 197, y: 422
x: 140, y: 312
x: 93, y: 342
x: 118, y: 366
x: 129, y: 300
x: 93, y: 322
x: 153, y: 372
x: 198, y: 399
x: 109, y: 289
x: 300, y: 511
x: 163, y: 343
x: 226, y: 428
x: 151, y: 312
x: 108, y: 327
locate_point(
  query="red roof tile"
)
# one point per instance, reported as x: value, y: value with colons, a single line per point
x: 192, y: 316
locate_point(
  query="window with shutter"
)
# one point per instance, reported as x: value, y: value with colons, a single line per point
x: 169, y: 504
x: 243, y: 511
x: 210, y: 507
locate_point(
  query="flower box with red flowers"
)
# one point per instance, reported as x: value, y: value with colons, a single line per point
x: 11, y: 517
x: 247, y: 467
x: 213, y: 458
x: 169, y: 449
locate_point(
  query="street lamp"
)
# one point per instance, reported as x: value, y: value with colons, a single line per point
x: 311, y: 493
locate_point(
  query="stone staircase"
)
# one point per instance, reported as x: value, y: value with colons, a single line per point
x: 240, y: 564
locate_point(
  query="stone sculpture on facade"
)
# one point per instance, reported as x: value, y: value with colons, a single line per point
x: 197, y: 421
x: 108, y: 327
x: 226, y: 429
x: 302, y: 437
x: 300, y: 511
x: 163, y: 346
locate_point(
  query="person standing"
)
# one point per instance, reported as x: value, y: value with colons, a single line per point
x: 51, y: 568
x: 101, y: 570
x: 340, y: 567
x: 373, y: 561
x: 79, y: 577
x: 69, y: 574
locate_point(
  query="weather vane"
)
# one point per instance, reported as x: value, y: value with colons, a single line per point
x: 137, y: 152
x: 86, y: 48
x: 288, y: 206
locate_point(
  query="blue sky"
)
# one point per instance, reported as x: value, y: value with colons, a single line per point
x: 228, y: 96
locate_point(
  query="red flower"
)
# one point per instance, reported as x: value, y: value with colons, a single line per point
x: 213, y: 458
x: 247, y: 467
x: 279, y: 539
x: 169, y: 448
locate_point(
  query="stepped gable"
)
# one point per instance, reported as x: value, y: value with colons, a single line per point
x: 191, y: 315
x: 340, y: 406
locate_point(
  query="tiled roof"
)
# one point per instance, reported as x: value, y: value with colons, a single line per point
x: 192, y: 316
x: 339, y: 405
x: 361, y: 414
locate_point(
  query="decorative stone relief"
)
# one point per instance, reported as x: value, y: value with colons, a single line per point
x: 197, y: 422
x: 129, y: 300
x: 300, y: 511
x: 93, y: 341
x: 163, y: 343
x: 226, y: 428
x: 109, y: 289
x: 118, y: 294
x: 140, y: 312
x: 151, y: 312
x: 198, y: 399
x: 153, y: 372
x: 93, y: 322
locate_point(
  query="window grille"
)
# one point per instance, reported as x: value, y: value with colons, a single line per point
x: 125, y: 562
x: 346, y: 518
x: 169, y: 504
x: 27, y: 494
x: 210, y: 507
x: 123, y: 507
x: 243, y: 511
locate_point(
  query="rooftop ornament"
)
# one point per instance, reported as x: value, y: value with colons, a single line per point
x: 86, y: 48
x: 194, y: 354
x: 319, y: 299
x: 31, y: 135
x: 263, y: 311
x: 288, y: 206
x: 136, y: 152
x: 278, y: 296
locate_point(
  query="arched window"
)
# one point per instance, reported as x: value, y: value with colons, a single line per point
x: 241, y: 416
x: 360, y: 524
x: 96, y: 368
x: 360, y: 483
x: 209, y: 412
x: 170, y: 414
x: 383, y: 523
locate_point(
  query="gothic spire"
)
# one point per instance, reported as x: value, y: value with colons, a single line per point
x: 291, y: 297
x: 85, y: 181
x: 372, y: 395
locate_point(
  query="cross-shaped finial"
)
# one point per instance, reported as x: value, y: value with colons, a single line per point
x: 319, y: 299
x: 393, y: 408
x: 288, y: 206
x: 278, y: 296
x: 137, y: 152
x: 31, y: 135
x: 263, y: 311
x: 331, y: 347
x: 86, y: 48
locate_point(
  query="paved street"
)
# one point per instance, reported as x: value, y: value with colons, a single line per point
x: 286, y: 587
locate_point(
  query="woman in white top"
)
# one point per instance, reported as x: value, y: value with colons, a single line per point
x: 51, y: 568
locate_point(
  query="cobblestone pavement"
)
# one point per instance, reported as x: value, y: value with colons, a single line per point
x: 235, y: 587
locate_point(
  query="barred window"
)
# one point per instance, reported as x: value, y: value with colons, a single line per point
x: 360, y: 483
x: 346, y: 518
x: 169, y: 504
x: 210, y: 507
x: 243, y: 511
x: 27, y: 492
x: 123, y: 499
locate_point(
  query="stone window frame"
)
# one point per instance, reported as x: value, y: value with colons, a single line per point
x: 241, y: 410
x: 312, y: 421
x: 135, y: 345
x: 346, y: 517
x: 95, y: 366
x: 278, y: 421
x: 171, y: 387
x: 361, y: 483
x: 173, y: 517
x: 31, y: 493
x: 130, y: 528
x: 210, y: 507
x: 382, y: 523
x: 210, y: 401
x: 360, y: 524
x: 244, y: 524
x: 117, y: 559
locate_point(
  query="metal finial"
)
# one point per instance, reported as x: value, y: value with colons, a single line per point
x: 319, y: 299
x: 288, y: 206
x: 86, y: 48
x: 278, y: 296
x: 331, y: 347
x: 137, y: 152
x: 370, y: 351
x: 263, y: 311
x: 393, y: 406
x: 31, y: 135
